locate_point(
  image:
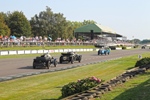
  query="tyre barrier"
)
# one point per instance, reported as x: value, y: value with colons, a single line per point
x: 101, y: 89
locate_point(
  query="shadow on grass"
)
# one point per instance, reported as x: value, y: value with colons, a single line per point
x: 139, y: 92
x: 54, y: 99
x: 50, y: 99
x: 130, y: 68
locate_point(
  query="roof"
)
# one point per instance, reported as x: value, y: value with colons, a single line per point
x: 106, y: 29
x: 88, y: 28
x: 97, y: 28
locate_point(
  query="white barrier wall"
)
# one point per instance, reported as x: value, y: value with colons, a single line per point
x: 45, y: 51
x: 128, y: 47
x: 4, y: 53
x: 118, y: 48
x: 21, y: 52
x: 42, y: 51
x: 50, y: 51
x: 12, y: 52
x: 27, y: 51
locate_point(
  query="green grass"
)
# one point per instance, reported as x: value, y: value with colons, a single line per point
x: 52, y: 47
x: 48, y: 86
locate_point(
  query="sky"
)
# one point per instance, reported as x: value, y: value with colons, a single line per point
x: 130, y: 18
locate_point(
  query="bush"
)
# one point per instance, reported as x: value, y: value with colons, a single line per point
x: 142, y: 61
x: 124, y: 47
x: 136, y: 46
x: 80, y: 86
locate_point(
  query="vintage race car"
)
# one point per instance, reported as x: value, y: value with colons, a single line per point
x: 104, y: 51
x: 44, y: 60
x: 143, y: 47
x: 70, y: 57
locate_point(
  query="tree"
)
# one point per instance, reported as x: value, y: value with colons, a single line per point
x: 19, y: 24
x: 48, y: 23
x: 136, y: 41
x: 86, y: 22
x: 70, y: 27
x: 4, y: 30
x: 41, y: 24
x: 54, y: 24
x: 145, y: 41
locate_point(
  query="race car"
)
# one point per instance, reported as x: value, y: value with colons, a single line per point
x: 104, y: 51
x: 44, y: 60
x: 143, y: 47
x: 70, y: 57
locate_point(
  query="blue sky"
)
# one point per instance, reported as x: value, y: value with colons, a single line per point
x: 129, y: 18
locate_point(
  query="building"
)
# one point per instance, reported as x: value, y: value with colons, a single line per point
x: 95, y: 31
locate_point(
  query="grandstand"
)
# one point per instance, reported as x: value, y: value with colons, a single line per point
x: 102, y: 35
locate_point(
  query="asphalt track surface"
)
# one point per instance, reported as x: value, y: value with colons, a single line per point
x: 21, y: 66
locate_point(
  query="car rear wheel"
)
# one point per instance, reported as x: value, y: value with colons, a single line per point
x: 72, y: 61
x: 34, y: 66
x: 48, y: 64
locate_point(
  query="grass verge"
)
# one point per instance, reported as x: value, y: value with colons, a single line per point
x: 48, y: 86
x: 48, y: 47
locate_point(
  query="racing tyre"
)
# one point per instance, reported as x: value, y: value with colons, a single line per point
x: 72, y: 61
x: 48, y: 64
x: 60, y: 61
x: 79, y: 59
x: 34, y: 67
x: 55, y: 63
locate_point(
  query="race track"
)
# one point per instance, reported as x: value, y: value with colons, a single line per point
x: 18, y: 66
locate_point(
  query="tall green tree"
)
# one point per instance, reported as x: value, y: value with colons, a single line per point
x: 6, y: 17
x: 54, y: 24
x: 86, y: 22
x: 4, y: 29
x: 48, y: 23
x: 70, y: 27
x: 145, y: 41
x: 18, y: 24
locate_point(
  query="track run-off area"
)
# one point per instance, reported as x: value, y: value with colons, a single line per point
x: 12, y: 68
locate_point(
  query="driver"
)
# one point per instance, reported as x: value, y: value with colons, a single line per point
x: 47, y: 55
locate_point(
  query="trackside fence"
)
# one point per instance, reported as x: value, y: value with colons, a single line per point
x: 18, y: 52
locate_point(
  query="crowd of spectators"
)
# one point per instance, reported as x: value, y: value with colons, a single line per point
x: 39, y: 40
